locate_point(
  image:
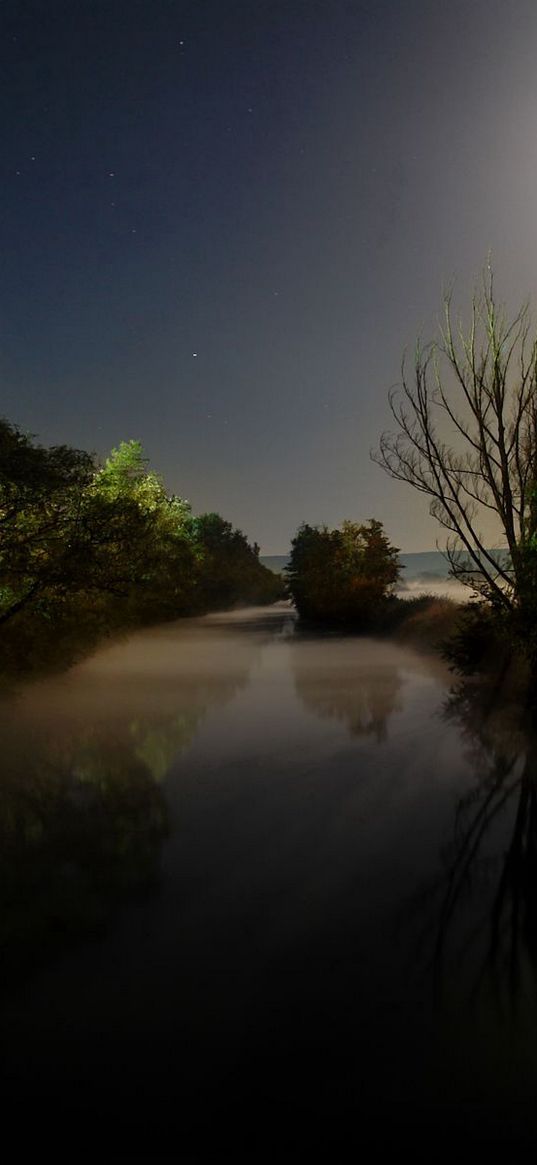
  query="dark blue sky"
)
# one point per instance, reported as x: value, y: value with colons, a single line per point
x: 279, y: 187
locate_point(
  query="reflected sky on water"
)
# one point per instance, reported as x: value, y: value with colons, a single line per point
x: 248, y: 870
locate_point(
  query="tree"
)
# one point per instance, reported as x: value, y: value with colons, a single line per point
x: 156, y: 557
x: 108, y: 543
x: 41, y: 502
x: 343, y: 574
x: 466, y: 437
x: 88, y: 549
x: 230, y: 571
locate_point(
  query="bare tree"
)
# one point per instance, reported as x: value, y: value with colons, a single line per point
x: 466, y: 437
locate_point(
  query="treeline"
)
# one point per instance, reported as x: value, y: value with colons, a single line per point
x: 87, y: 549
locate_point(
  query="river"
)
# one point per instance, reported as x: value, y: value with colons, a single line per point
x: 266, y: 894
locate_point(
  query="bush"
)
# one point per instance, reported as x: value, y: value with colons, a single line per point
x: 344, y: 575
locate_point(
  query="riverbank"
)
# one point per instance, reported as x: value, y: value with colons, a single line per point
x: 425, y: 623
x: 31, y: 647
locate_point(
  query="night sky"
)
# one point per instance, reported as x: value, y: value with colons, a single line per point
x: 222, y: 222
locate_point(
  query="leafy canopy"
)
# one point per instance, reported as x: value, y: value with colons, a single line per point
x: 344, y: 574
x: 88, y: 548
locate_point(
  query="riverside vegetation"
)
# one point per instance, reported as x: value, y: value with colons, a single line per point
x: 466, y: 437
x: 88, y: 550
x: 347, y: 578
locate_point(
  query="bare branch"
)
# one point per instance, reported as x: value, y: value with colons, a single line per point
x: 482, y: 381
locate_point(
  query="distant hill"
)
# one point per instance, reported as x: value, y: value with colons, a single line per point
x: 275, y: 562
x: 427, y: 564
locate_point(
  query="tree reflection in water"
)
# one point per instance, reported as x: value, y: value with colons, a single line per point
x: 362, y: 690
x: 484, y: 917
x: 82, y: 812
x: 79, y: 833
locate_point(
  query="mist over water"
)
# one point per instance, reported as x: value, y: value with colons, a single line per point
x: 235, y: 901
x: 438, y: 588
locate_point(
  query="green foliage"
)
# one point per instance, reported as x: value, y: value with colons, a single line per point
x: 345, y: 575
x: 42, y: 521
x: 159, y: 555
x: 124, y: 472
x: 88, y: 549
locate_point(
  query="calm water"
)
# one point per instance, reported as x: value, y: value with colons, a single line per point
x: 266, y: 895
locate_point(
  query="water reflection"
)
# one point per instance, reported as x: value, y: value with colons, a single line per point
x: 82, y: 813
x: 357, y: 682
x: 482, y: 906
x: 265, y: 979
x: 76, y: 837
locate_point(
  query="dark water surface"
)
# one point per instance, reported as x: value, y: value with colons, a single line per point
x: 266, y: 896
